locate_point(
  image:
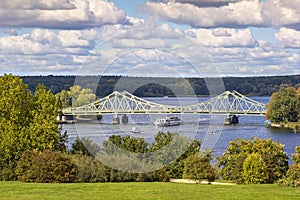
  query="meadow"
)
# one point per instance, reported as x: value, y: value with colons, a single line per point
x: 141, y: 190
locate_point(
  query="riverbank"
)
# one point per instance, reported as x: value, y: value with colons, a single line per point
x: 295, y: 126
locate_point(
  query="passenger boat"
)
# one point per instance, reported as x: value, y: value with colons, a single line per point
x: 168, y: 121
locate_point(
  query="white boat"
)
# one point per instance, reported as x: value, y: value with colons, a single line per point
x: 135, y: 130
x: 168, y: 121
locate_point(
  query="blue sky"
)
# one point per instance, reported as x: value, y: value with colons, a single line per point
x: 196, y: 38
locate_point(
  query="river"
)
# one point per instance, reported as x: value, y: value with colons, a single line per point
x: 209, y: 129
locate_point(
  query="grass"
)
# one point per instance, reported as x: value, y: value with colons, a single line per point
x: 81, y: 191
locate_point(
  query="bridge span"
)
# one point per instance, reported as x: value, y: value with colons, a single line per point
x: 227, y: 103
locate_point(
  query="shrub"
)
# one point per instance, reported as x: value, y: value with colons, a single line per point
x: 254, y: 169
x: 198, y: 167
x: 90, y: 169
x: 272, y: 153
x: 45, y: 167
x: 292, y: 177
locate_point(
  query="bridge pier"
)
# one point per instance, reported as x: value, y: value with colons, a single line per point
x: 231, y: 119
x: 116, y: 120
x: 125, y: 119
x: 66, y: 119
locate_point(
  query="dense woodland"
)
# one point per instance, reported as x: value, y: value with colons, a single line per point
x: 104, y: 85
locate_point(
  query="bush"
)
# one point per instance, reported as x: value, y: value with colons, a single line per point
x: 198, y: 167
x: 90, y: 169
x: 45, y: 167
x: 292, y: 177
x: 254, y: 169
x: 272, y: 153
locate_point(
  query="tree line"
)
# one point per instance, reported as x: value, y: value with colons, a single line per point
x: 104, y: 85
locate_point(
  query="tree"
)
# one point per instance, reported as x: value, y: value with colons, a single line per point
x: 284, y: 105
x: 198, y: 167
x: 43, y: 127
x: 172, y: 156
x: 84, y: 146
x: 175, y: 167
x: 64, y: 98
x: 292, y: 177
x: 272, y: 153
x: 27, y: 121
x: 254, y: 169
x: 76, y: 96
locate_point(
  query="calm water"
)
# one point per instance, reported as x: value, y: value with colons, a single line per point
x: 209, y: 129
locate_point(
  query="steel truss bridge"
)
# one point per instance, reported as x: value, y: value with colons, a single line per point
x: 227, y: 103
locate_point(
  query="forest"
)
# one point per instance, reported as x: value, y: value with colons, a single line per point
x: 151, y: 86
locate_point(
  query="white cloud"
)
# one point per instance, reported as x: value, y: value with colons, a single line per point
x: 37, y: 4
x: 138, y: 46
x: 200, y: 3
x: 239, y: 14
x: 219, y: 13
x: 67, y: 14
x: 44, y: 41
x: 288, y: 38
x: 278, y: 13
x: 223, y: 37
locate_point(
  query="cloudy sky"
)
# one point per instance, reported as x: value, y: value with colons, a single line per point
x: 150, y: 37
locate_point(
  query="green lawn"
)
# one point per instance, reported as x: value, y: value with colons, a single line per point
x: 81, y: 191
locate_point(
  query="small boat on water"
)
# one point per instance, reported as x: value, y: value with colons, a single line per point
x: 168, y: 121
x: 135, y: 130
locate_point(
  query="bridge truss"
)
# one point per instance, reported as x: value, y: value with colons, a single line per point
x: 125, y: 103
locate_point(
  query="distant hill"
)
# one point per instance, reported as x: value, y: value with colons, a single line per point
x: 104, y: 85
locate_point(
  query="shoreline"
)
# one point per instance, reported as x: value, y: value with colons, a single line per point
x: 294, y: 127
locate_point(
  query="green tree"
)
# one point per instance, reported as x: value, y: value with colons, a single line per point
x: 292, y: 177
x: 284, y: 105
x: 272, y: 153
x: 296, y: 156
x: 127, y: 143
x: 76, y: 96
x: 64, y: 98
x: 198, y: 167
x: 187, y: 148
x: 84, y: 146
x: 254, y: 169
x: 27, y: 121
x: 43, y: 126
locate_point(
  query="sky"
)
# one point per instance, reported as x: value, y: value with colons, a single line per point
x: 181, y: 38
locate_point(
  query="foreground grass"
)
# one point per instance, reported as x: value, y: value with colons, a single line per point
x: 28, y: 191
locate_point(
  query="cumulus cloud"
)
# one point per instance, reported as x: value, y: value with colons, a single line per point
x: 288, y: 38
x: 223, y: 37
x: 124, y: 49
x: 227, y: 13
x: 200, y: 3
x: 37, y: 4
x: 239, y: 14
x: 44, y: 41
x: 278, y: 13
x: 57, y: 14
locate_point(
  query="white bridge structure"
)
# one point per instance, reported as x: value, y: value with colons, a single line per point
x: 118, y: 103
